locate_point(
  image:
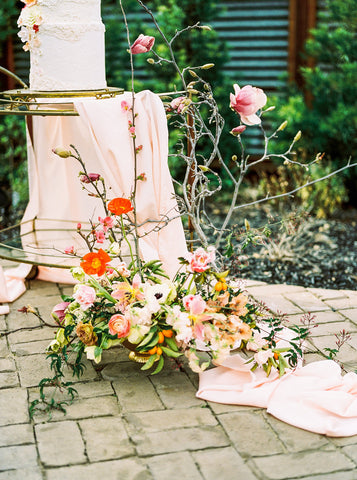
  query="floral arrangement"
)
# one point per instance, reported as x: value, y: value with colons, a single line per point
x: 29, y: 22
x: 200, y: 314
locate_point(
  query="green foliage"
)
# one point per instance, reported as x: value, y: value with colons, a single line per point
x: 329, y: 124
x: 13, y: 158
x: 9, y: 12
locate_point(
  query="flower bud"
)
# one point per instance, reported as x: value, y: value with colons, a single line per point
x: 238, y: 130
x: 203, y: 168
x: 207, y: 66
x: 269, y: 109
x: 234, y: 158
x: 282, y: 126
x: 151, y: 61
x: 193, y: 74
x: 205, y: 27
x: 61, y: 152
x: 297, y: 136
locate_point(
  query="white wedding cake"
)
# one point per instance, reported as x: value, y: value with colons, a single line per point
x: 66, y: 43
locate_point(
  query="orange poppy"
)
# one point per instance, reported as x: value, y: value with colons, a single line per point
x: 95, y: 263
x: 119, y: 206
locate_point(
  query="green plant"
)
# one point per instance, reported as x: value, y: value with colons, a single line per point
x: 13, y: 159
x: 328, y: 118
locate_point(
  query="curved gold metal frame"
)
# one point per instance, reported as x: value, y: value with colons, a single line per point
x: 30, y: 102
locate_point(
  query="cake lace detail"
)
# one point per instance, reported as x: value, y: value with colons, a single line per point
x: 71, y: 32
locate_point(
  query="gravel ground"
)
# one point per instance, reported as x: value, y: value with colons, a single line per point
x: 315, y: 253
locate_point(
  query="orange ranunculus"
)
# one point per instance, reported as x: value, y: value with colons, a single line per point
x: 119, y: 206
x: 95, y: 263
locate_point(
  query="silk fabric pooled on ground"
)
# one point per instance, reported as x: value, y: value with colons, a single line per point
x: 315, y: 397
x: 101, y: 136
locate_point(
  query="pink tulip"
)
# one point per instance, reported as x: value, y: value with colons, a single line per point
x: 246, y: 102
x: 142, y: 44
x: 58, y: 312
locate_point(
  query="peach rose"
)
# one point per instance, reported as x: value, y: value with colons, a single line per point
x: 119, y: 325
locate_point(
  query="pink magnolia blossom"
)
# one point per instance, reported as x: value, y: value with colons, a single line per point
x: 119, y: 325
x: 91, y: 177
x: 58, y: 312
x: 100, y: 236
x: 106, y: 222
x: 246, y: 102
x: 69, y: 250
x: 85, y: 296
x: 180, y: 104
x: 200, y: 259
x: 142, y: 44
x: 195, y: 304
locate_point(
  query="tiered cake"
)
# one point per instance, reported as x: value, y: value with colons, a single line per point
x: 66, y: 43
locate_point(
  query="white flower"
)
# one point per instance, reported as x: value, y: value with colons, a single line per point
x: 78, y: 274
x: 256, y: 342
x: 237, y: 285
x: 114, y: 248
x: 137, y: 333
x: 139, y: 316
x: 90, y: 354
x: 30, y: 16
x: 23, y: 34
x: 263, y: 356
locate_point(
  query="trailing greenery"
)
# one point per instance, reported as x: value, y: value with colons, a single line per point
x: 328, y: 119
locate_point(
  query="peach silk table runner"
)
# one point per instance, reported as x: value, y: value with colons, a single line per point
x: 315, y: 397
x: 101, y: 135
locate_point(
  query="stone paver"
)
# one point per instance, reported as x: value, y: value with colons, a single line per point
x: 105, y: 439
x: 60, y: 444
x: 295, y: 465
x: 128, y: 469
x: 129, y: 425
x: 174, y: 465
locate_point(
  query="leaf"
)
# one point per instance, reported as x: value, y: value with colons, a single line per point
x: 147, y: 339
x: 172, y: 344
x: 171, y: 353
x: 159, y: 366
x: 149, y: 363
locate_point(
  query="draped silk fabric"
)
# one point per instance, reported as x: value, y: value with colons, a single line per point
x: 315, y: 397
x: 101, y: 136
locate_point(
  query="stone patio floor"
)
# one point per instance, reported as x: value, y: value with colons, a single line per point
x: 129, y: 425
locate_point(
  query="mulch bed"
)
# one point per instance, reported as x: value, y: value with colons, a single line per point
x: 320, y: 253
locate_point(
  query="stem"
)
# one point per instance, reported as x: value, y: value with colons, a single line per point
x: 133, y: 116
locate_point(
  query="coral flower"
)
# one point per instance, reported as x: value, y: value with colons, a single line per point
x: 119, y: 206
x: 95, y: 263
